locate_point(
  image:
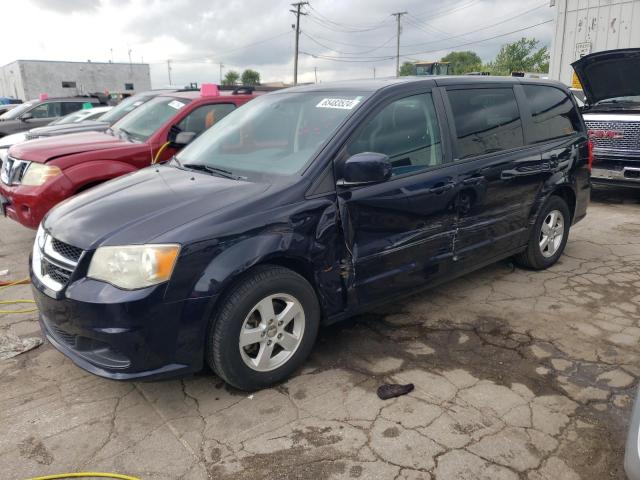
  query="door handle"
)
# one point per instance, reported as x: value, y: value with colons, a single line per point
x: 441, y: 188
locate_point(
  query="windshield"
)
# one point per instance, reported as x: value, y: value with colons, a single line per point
x: 74, y: 117
x: 16, y: 112
x: 629, y: 99
x: 145, y: 120
x: 124, y: 107
x: 275, y: 134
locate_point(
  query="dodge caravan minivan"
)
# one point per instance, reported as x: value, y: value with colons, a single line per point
x: 304, y: 207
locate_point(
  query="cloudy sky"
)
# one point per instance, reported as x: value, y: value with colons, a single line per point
x: 340, y: 39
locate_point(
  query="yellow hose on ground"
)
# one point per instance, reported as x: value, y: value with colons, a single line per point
x: 16, y: 302
x: 160, y: 150
x: 86, y: 475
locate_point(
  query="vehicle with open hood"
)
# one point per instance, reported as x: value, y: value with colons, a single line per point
x: 307, y: 206
x: 612, y: 114
x: 38, y: 174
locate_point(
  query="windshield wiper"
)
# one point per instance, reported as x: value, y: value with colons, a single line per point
x: 215, y: 170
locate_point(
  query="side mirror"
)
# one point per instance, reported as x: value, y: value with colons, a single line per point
x: 364, y: 168
x: 184, y: 138
x: 26, y: 116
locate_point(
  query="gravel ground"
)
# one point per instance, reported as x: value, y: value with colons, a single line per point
x: 518, y: 375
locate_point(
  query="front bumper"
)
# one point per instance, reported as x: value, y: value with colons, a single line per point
x: 29, y: 205
x: 123, y: 335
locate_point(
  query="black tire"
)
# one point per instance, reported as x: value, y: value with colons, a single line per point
x: 533, y: 257
x: 223, y: 349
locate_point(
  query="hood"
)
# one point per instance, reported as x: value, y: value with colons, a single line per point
x: 7, y: 141
x: 45, y: 149
x: 138, y: 207
x: 53, y: 130
x: 609, y: 74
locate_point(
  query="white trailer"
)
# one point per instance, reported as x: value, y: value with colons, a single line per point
x: 586, y: 26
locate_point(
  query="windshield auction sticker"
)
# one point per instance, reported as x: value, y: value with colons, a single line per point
x: 341, y: 103
x: 176, y: 104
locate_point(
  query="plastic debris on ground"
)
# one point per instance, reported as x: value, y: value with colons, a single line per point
x: 12, y: 345
x: 387, y: 391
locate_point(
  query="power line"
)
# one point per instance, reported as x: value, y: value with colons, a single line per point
x: 322, y: 17
x: 333, y: 28
x: 408, y: 55
x: 486, y: 27
x: 191, y: 60
x: 446, y: 11
x: 479, y: 41
x: 348, y: 60
x: 348, y: 53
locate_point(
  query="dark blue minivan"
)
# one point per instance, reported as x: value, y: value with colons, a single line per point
x: 302, y: 208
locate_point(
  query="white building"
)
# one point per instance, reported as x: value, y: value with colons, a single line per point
x: 27, y: 79
x: 586, y: 26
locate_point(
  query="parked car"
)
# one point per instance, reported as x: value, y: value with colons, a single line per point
x: 37, y: 113
x: 632, y: 451
x: 73, y: 119
x: 40, y: 173
x: 5, y: 107
x: 612, y: 114
x: 307, y: 206
x: 104, y: 122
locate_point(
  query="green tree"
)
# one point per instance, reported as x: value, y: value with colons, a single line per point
x: 407, y: 68
x: 463, y: 62
x: 231, y: 78
x: 250, y: 77
x: 525, y: 55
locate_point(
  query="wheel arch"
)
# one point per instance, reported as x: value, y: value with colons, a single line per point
x: 568, y: 194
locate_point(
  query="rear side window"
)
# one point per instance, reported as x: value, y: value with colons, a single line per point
x: 487, y: 120
x: 553, y: 113
x: 70, y: 107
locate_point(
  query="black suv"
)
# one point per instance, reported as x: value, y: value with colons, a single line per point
x: 36, y: 113
x: 304, y: 207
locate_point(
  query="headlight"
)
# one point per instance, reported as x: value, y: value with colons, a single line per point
x: 40, y: 237
x: 37, y: 174
x: 135, y: 266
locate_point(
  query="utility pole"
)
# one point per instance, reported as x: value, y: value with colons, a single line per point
x: 398, y: 15
x: 169, y: 70
x: 297, y: 13
x: 374, y: 73
x: 221, y: 65
x: 315, y: 70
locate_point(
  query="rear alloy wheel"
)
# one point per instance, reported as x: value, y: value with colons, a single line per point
x: 548, y: 235
x: 265, y: 328
x: 551, y: 233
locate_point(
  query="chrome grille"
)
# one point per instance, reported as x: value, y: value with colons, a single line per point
x: 67, y: 251
x: 56, y: 272
x: 53, y: 261
x: 13, y: 170
x: 614, y: 135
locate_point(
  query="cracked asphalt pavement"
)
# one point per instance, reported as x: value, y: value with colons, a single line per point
x: 518, y: 375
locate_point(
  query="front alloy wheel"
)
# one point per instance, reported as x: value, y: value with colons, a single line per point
x: 264, y: 328
x: 272, y: 332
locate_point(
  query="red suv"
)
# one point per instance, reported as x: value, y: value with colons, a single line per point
x: 41, y: 173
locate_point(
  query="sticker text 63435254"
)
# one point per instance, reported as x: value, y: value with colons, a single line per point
x: 341, y: 103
